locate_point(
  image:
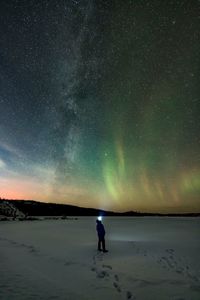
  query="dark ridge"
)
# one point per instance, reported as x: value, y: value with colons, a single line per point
x: 36, y: 208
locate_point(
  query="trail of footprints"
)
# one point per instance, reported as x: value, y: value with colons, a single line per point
x: 169, y: 261
x: 36, y: 252
x: 30, y: 248
x: 106, y: 271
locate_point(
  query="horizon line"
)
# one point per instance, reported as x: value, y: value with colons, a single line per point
x: 105, y: 210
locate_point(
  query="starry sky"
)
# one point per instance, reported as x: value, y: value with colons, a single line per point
x: 99, y: 103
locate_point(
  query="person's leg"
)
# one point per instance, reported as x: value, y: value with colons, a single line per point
x: 99, y: 245
x: 103, y: 244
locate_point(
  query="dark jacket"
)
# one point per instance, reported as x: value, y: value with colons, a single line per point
x: 100, y: 229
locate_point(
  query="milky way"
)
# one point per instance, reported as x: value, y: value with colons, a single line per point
x: 99, y: 103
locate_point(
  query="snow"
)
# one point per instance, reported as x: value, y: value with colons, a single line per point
x: 148, y: 258
x: 7, y: 209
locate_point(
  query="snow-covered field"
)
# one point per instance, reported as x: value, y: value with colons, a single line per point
x: 148, y: 258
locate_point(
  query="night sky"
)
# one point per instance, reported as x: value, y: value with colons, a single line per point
x: 100, y: 103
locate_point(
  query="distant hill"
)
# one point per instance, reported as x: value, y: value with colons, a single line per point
x: 20, y: 208
x: 27, y: 208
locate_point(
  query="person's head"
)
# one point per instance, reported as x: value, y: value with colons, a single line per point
x: 98, y: 221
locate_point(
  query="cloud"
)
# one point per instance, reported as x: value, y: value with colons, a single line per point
x: 10, y: 149
x: 2, y: 164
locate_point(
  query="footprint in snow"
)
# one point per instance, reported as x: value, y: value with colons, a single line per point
x: 107, y: 267
x: 115, y: 284
x: 102, y: 274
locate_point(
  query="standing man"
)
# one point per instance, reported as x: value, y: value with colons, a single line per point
x: 101, y: 235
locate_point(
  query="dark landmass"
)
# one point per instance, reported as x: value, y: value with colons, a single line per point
x: 22, y: 209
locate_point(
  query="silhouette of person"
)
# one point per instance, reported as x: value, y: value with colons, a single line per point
x: 101, y: 235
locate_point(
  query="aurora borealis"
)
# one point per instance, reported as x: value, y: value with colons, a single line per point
x: 99, y: 103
